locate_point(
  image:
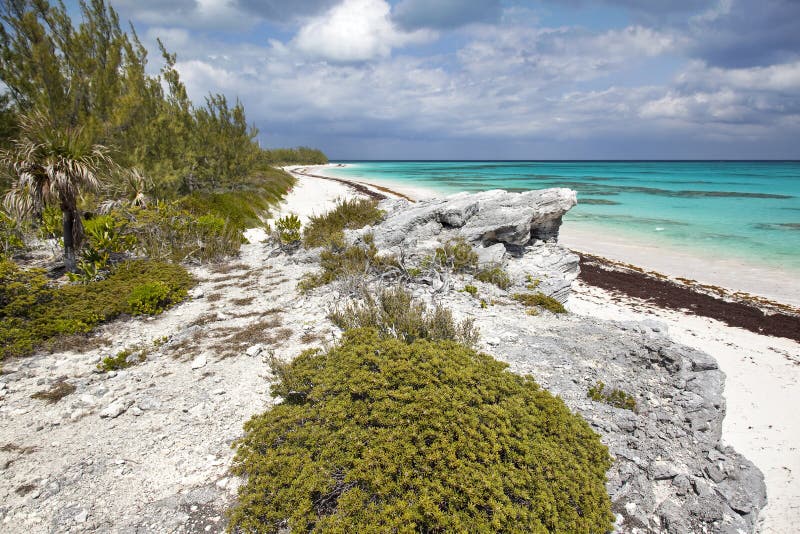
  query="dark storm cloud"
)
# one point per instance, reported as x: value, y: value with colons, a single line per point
x: 752, y: 33
x: 445, y: 14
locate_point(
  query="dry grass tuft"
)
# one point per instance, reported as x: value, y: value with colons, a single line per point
x: 60, y: 389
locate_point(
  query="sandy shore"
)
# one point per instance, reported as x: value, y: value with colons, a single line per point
x: 763, y: 372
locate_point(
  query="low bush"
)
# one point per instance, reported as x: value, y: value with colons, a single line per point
x: 457, y: 255
x: 615, y: 397
x: 378, y: 435
x: 494, y: 275
x: 167, y: 232
x: 32, y: 311
x: 354, y: 261
x: 328, y: 229
x: 539, y: 300
x: 288, y: 229
x: 395, y: 313
x: 11, y: 236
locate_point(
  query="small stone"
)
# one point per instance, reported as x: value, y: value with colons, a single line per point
x: 115, y: 409
x: 136, y: 411
x: 78, y: 414
x: 35, y: 494
x: 81, y: 516
x: 218, y: 392
x: 715, y: 473
x: 660, y: 470
x: 492, y: 341
x: 221, y: 483
x: 199, y: 362
x: 253, y: 351
x: 148, y: 403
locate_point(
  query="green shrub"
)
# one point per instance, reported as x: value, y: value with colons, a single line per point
x: 456, y: 255
x: 616, y: 397
x: 166, y: 231
x: 105, y: 235
x: 328, y: 229
x: 494, y: 275
x: 51, y: 225
x: 395, y: 313
x: 539, y: 300
x: 472, y: 290
x: 33, y: 312
x: 11, y: 236
x: 376, y: 435
x: 116, y: 362
x: 354, y: 261
x: 288, y: 228
x: 152, y: 298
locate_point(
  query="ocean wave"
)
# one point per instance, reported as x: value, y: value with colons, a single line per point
x: 777, y: 226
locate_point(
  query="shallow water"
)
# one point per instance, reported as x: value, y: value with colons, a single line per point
x: 727, y: 209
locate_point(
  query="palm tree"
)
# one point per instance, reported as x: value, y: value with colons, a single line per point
x: 54, y: 165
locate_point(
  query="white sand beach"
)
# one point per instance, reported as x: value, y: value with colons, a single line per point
x: 763, y: 373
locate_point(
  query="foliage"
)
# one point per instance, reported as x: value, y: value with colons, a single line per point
x: 54, y: 166
x: 616, y: 397
x: 352, y: 262
x: 395, y: 313
x: 472, y: 290
x: 457, y: 255
x: 166, y: 232
x: 105, y: 235
x: 96, y: 75
x: 153, y: 298
x: 50, y: 224
x: 11, y: 236
x: 288, y: 229
x: 328, y: 229
x: 295, y: 156
x: 377, y: 435
x: 121, y: 360
x: 32, y: 311
x: 494, y: 275
x: 539, y: 300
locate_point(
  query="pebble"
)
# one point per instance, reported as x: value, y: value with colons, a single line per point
x: 115, y: 409
x: 136, y: 411
x: 81, y: 516
x: 253, y: 351
x: 199, y: 362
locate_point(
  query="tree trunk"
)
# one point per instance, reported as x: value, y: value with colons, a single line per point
x: 69, y: 241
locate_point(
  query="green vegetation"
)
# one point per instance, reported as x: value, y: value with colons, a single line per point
x: 378, y: 435
x: 395, y: 313
x: 616, y: 397
x: 33, y: 312
x: 457, y: 255
x: 472, y: 290
x: 288, y: 229
x: 494, y: 275
x: 354, y: 261
x: 295, y: 156
x: 328, y: 229
x: 116, y: 362
x: 11, y: 236
x: 539, y: 300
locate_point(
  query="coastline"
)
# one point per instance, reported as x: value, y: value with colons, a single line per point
x: 763, y: 372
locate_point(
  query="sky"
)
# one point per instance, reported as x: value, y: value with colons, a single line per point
x: 496, y: 79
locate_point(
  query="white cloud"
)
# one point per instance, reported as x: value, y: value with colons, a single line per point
x: 355, y: 30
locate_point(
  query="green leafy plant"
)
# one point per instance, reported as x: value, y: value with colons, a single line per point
x: 104, y: 235
x: 615, y: 397
x: 456, y: 255
x: 378, y: 435
x: 328, y: 229
x: 288, y: 228
x: 354, y: 262
x: 472, y: 290
x: 395, y: 313
x: 539, y: 300
x: 494, y: 275
x: 153, y: 298
x: 11, y: 236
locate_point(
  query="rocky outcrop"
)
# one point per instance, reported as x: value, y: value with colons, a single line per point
x: 518, y: 231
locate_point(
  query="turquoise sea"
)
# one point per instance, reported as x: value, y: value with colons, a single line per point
x: 747, y: 210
